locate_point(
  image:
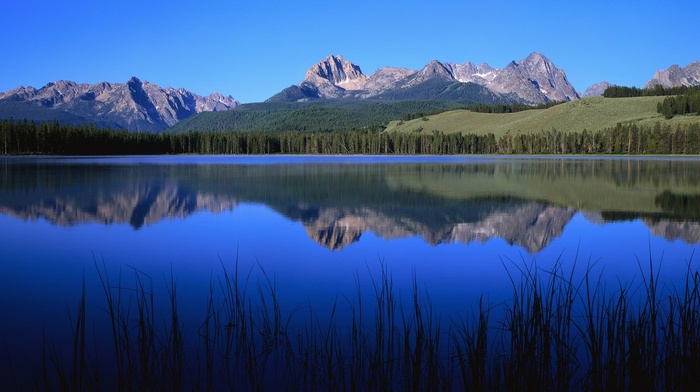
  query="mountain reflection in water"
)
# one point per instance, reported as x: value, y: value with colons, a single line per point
x: 526, y: 202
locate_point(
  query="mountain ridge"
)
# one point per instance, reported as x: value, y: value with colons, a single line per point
x: 134, y: 105
x: 532, y: 80
x: 676, y: 76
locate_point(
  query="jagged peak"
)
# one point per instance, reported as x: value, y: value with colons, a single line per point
x: 537, y: 59
x: 437, y: 68
x: 536, y: 56
x: 134, y: 80
x: 60, y: 83
x: 336, y: 61
x: 337, y: 71
x: 335, y: 58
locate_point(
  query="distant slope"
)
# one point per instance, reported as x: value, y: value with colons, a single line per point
x: 320, y: 115
x: 443, y: 89
x: 589, y: 113
x: 20, y: 110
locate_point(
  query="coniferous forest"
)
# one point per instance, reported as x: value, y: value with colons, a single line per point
x: 51, y: 138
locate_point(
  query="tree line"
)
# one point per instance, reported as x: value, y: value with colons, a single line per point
x: 484, y: 108
x: 510, y: 108
x: 688, y: 103
x: 656, y: 91
x: 51, y: 138
x: 621, y: 139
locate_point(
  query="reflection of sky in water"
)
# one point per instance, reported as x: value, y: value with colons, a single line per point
x: 43, y: 263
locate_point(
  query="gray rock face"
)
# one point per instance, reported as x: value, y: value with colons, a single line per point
x: 596, y: 90
x: 532, y: 80
x: 676, y: 76
x: 468, y: 72
x: 385, y: 79
x: 136, y: 105
x: 338, y: 73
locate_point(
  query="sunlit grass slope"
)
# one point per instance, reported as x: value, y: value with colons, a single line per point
x: 591, y: 114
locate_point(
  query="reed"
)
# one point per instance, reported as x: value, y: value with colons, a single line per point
x: 558, y: 332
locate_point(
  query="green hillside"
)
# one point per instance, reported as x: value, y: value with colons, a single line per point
x: 315, y: 116
x: 591, y: 114
x: 19, y: 111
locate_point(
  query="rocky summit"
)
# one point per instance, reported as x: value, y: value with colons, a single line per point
x: 675, y: 76
x: 134, y: 105
x: 532, y: 80
x: 596, y: 90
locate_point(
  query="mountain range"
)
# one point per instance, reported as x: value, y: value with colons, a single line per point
x: 677, y: 76
x: 533, y: 80
x: 146, y: 107
x: 134, y: 105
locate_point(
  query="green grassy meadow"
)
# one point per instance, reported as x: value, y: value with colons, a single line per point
x: 591, y: 114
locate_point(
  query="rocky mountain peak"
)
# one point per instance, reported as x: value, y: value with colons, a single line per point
x: 596, y: 90
x: 134, y: 81
x: 540, y: 66
x: 338, y: 72
x: 535, y: 79
x: 469, y: 72
x: 436, y: 68
x: 536, y: 58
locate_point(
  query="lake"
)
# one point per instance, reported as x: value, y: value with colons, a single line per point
x: 321, y: 229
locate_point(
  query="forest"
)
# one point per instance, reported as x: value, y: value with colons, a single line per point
x: 51, y: 138
x: 688, y: 103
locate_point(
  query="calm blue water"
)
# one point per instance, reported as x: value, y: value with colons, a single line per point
x: 319, y: 225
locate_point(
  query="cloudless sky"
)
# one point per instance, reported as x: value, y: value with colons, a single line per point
x: 253, y: 49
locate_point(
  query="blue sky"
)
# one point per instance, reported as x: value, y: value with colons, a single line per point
x: 253, y: 49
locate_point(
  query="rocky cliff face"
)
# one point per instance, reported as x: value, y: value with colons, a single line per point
x: 532, y: 80
x: 676, y: 76
x: 336, y: 73
x: 135, y: 105
x: 468, y: 72
x: 385, y: 79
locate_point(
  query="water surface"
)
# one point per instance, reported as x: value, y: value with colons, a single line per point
x: 320, y: 225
